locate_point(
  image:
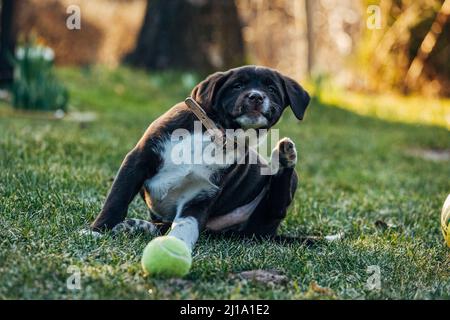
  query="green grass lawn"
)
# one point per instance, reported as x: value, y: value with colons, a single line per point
x: 354, y: 169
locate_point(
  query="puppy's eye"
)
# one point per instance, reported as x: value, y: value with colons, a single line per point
x: 272, y: 89
x: 237, y: 86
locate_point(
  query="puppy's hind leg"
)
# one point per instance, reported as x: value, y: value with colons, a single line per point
x: 284, y: 182
x: 282, y: 186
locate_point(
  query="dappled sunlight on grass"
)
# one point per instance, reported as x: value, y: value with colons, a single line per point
x: 391, y: 107
x: 123, y: 89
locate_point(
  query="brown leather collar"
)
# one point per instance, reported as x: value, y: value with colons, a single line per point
x: 219, y: 136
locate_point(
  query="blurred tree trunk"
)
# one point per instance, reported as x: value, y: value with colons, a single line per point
x: 201, y: 35
x: 309, y: 36
x: 7, y: 40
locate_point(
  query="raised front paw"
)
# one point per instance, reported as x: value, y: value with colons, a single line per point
x: 287, y: 153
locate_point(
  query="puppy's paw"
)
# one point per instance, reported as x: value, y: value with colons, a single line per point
x: 135, y: 226
x: 287, y: 153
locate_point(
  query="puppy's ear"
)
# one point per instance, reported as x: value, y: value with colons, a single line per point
x: 296, y: 96
x: 205, y: 92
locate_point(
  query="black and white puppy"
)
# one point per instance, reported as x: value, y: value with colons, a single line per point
x: 190, y: 197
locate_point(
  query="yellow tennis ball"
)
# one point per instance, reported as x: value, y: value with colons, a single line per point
x: 445, y: 220
x: 166, y: 257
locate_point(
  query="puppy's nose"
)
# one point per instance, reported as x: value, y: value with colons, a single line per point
x: 255, y: 97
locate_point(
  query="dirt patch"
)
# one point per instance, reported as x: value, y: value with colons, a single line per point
x: 438, y: 155
x: 269, y: 277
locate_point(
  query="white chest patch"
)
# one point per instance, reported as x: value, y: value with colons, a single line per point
x: 186, y: 172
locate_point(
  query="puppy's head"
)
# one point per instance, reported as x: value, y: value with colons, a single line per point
x: 250, y: 97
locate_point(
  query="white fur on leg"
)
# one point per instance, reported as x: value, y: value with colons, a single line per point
x: 185, y: 229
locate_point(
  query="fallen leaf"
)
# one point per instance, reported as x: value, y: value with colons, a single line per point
x: 316, y: 291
